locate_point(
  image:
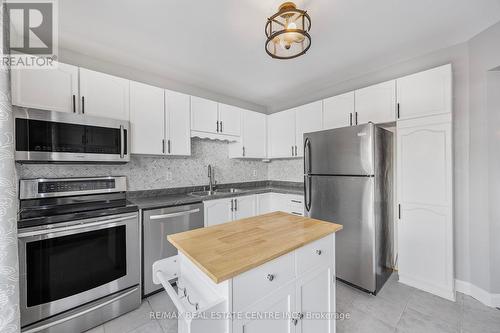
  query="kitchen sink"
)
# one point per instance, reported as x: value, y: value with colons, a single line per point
x: 229, y: 190
x: 202, y: 193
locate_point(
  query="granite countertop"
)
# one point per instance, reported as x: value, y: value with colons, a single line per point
x: 180, y: 196
x: 218, y: 250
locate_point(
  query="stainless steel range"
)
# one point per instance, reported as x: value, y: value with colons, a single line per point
x: 79, y: 253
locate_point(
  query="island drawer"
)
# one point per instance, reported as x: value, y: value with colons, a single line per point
x: 315, y: 254
x: 255, y: 284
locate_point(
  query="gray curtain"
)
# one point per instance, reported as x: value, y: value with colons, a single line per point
x: 9, y: 273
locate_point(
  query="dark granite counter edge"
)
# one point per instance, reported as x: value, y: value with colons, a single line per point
x: 149, y: 199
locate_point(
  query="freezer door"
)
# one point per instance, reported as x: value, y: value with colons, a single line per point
x: 348, y: 201
x: 340, y: 151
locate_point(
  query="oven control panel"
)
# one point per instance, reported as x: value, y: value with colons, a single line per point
x: 75, y: 186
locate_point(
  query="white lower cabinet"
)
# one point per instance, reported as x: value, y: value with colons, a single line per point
x: 286, y: 286
x: 229, y: 209
x: 288, y: 203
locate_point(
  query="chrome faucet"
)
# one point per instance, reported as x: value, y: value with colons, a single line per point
x: 211, y: 179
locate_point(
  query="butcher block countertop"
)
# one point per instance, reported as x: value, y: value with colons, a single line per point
x: 227, y: 250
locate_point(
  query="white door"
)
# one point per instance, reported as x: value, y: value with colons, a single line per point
x: 217, y: 211
x: 338, y: 111
x: 315, y: 295
x: 146, y: 119
x: 425, y: 228
x: 425, y: 93
x: 245, y: 207
x: 376, y: 103
x: 104, y: 95
x: 229, y: 119
x: 204, y: 115
x: 46, y: 89
x: 281, y: 302
x: 177, y: 123
x: 281, y: 134
x: 309, y: 118
x: 254, y: 136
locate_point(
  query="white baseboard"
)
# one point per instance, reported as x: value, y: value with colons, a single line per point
x: 447, y: 293
x: 481, y: 295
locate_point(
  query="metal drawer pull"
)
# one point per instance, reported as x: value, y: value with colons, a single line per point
x: 196, y: 305
x: 318, y: 252
x: 270, y: 277
x: 72, y: 227
x: 165, y: 216
x: 297, y: 201
x: 296, y: 213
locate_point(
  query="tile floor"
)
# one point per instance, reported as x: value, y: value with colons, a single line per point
x: 397, y: 308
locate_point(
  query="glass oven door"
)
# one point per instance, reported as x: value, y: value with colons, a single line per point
x: 73, y: 264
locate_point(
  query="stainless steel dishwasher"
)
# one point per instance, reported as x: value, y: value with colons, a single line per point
x: 157, y: 224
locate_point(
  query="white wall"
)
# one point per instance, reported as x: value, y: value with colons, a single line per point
x: 484, y: 51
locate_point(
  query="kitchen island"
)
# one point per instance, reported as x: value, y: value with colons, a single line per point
x: 269, y: 273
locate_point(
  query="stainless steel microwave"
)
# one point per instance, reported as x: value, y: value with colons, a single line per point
x: 47, y: 136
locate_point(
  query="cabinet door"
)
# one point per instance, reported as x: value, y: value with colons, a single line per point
x: 46, y: 89
x: 217, y: 212
x: 178, y: 123
x: 204, y: 115
x: 281, y: 134
x: 104, y: 95
x: 316, y: 294
x: 254, y: 136
x: 280, y: 302
x: 338, y: 111
x: 376, y: 103
x: 264, y: 203
x: 309, y: 118
x: 245, y: 207
x: 425, y: 93
x: 229, y: 120
x: 146, y: 119
x: 425, y: 225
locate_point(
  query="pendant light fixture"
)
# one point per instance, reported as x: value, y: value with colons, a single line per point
x: 287, y: 32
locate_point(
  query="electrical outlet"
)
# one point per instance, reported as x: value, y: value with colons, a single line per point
x: 255, y: 173
x: 169, y: 175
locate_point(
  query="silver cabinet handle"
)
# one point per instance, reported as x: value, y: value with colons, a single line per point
x: 166, y: 216
x: 74, y: 104
x: 168, y: 145
x: 295, y: 150
x: 235, y: 204
x: 83, y: 104
x: 217, y: 126
x: 292, y: 150
x: 221, y: 126
x: 243, y: 151
x: 163, y: 146
x: 122, y: 141
x: 350, y: 119
x: 356, y: 117
x: 270, y: 277
x: 232, y: 205
x: 318, y: 252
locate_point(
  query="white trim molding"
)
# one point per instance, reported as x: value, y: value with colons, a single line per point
x: 492, y: 300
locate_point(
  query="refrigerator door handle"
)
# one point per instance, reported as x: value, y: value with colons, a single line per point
x: 307, y: 192
x: 307, y: 156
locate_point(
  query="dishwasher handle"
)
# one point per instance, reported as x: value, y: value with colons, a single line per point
x: 166, y: 216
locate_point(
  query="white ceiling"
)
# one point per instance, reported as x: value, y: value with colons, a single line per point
x: 219, y: 45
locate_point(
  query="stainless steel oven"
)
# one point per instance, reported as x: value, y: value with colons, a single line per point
x: 47, y: 136
x: 79, y: 255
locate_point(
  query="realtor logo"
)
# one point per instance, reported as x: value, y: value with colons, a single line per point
x: 30, y: 28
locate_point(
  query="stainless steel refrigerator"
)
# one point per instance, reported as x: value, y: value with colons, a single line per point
x: 348, y: 179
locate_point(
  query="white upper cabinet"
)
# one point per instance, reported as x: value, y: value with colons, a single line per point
x: 376, y: 104
x: 46, y: 89
x: 338, y: 111
x: 177, y: 123
x: 253, y: 142
x: 229, y: 120
x: 204, y: 115
x: 147, y: 114
x: 425, y: 93
x: 309, y: 118
x: 281, y: 134
x: 104, y: 95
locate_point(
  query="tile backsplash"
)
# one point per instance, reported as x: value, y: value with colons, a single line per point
x: 290, y: 170
x: 156, y: 172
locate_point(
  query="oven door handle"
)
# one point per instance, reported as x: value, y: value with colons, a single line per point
x: 79, y: 314
x: 72, y: 227
x: 166, y: 216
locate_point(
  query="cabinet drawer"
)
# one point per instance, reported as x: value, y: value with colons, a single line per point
x: 315, y: 254
x: 259, y: 282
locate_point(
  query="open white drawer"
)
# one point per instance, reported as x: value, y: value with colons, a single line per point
x: 194, y: 301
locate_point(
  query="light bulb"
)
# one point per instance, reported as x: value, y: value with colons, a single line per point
x: 292, y: 25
